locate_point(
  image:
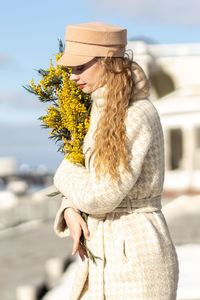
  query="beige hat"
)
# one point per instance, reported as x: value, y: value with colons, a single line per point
x: 89, y: 40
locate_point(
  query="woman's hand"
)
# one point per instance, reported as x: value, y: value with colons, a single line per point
x: 76, y: 225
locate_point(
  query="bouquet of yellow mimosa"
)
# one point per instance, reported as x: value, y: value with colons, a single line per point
x: 67, y: 116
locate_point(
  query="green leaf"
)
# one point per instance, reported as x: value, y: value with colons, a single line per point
x: 61, y: 46
x: 53, y: 194
x: 29, y: 89
x: 43, y: 72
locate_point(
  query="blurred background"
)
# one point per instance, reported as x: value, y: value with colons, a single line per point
x: 165, y: 39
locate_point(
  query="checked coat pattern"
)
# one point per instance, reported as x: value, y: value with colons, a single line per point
x: 127, y: 228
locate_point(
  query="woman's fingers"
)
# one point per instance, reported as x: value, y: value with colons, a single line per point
x: 85, y: 229
x: 76, y: 225
x: 75, y: 245
x: 82, y: 252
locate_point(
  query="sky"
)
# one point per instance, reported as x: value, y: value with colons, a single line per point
x: 30, y: 30
x: 29, y: 33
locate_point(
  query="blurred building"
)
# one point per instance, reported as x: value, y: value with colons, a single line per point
x: 169, y: 67
x: 174, y: 72
x: 8, y: 166
x: 180, y: 117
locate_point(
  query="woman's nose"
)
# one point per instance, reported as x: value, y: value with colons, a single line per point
x: 74, y: 77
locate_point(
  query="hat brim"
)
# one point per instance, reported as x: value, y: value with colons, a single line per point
x: 70, y: 60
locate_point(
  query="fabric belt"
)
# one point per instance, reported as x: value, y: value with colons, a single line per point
x: 135, y: 205
x: 140, y: 205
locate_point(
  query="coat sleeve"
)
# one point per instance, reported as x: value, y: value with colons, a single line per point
x: 93, y: 196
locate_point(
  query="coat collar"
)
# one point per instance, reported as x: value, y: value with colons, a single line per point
x: 98, y: 96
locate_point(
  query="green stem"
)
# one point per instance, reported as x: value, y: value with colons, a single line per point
x: 91, y: 256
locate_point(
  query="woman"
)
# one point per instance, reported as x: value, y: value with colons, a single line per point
x: 121, y: 184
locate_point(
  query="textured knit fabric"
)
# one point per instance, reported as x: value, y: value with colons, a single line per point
x: 127, y: 228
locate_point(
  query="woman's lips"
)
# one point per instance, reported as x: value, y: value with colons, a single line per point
x: 81, y: 85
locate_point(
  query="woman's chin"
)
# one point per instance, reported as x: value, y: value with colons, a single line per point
x: 86, y: 90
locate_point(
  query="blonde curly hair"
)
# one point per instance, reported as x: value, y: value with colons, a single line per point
x: 125, y: 82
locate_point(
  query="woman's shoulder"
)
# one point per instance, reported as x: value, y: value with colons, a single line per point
x: 142, y: 111
x: 143, y: 107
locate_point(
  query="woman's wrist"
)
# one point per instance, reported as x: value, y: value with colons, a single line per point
x: 67, y: 210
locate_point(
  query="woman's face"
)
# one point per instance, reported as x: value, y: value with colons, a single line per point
x: 86, y: 76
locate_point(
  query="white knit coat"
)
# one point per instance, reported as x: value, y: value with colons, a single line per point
x: 127, y: 228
